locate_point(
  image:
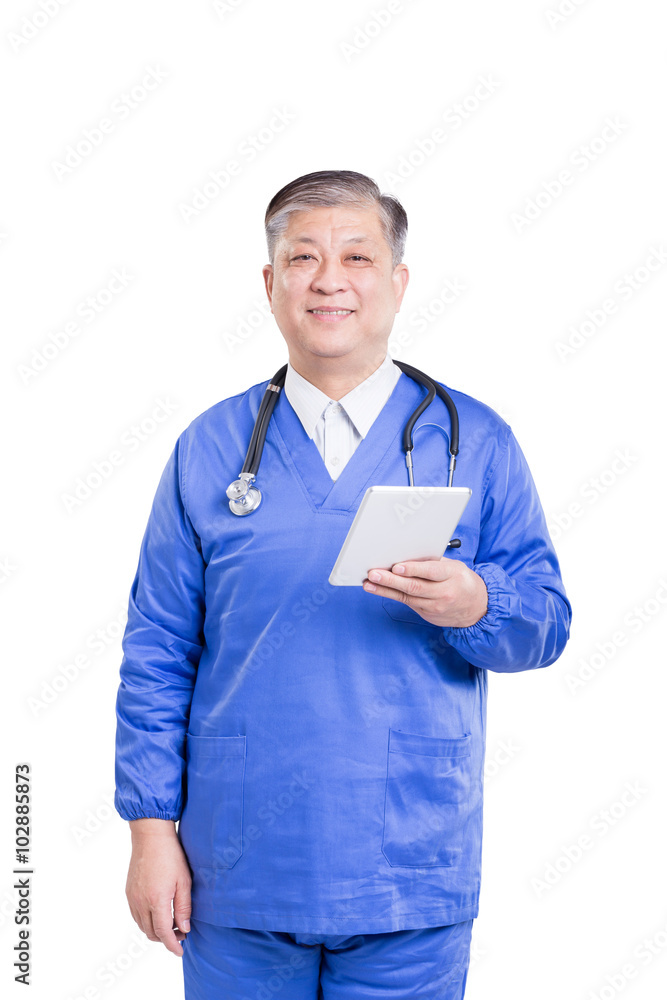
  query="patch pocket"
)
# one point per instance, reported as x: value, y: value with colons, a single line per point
x: 426, y: 799
x: 211, y: 825
x: 401, y: 612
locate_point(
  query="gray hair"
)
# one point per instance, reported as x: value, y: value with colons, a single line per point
x: 336, y: 187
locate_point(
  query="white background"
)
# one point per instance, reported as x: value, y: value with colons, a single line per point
x: 367, y: 98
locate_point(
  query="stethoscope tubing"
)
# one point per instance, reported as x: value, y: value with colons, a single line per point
x: 269, y: 399
x: 244, y: 497
x: 419, y: 376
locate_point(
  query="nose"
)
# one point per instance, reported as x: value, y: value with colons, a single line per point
x: 330, y: 276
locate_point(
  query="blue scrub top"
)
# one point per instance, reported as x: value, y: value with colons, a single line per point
x: 323, y: 747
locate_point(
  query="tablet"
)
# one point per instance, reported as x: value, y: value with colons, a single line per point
x: 394, y: 523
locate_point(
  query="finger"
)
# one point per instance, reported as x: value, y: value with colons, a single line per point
x: 413, y: 587
x: 163, y: 925
x: 142, y: 918
x: 396, y: 595
x: 148, y: 929
x: 380, y: 591
x: 140, y: 910
x: 426, y: 569
x: 182, y: 908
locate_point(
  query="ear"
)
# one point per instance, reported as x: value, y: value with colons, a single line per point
x: 399, y: 280
x: 267, y: 271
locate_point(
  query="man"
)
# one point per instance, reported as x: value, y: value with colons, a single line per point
x: 323, y: 747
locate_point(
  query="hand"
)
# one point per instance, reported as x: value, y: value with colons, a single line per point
x: 158, y: 874
x: 443, y: 591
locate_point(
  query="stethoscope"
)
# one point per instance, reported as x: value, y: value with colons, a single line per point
x: 244, y: 497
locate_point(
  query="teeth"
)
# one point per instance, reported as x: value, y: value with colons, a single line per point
x: 331, y: 312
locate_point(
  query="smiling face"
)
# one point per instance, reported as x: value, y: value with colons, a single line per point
x: 333, y: 290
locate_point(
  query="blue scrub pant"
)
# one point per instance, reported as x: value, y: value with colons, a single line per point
x: 236, y: 963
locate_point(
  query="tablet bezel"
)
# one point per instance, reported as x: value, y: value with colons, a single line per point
x: 420, y: 540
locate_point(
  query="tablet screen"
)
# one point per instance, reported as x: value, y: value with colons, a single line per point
x: 394, y: 523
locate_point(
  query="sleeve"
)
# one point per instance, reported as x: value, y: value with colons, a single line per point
x: 527, y: 622
x: 162, y: 644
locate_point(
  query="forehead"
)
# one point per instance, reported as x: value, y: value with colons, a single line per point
x: 334, y: 225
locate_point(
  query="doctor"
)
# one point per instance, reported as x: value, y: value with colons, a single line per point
x: 322, y: 748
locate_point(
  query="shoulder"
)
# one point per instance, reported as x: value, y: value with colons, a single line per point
x: 219, y: 435
x: 477, y: 417
x: 226, y: 414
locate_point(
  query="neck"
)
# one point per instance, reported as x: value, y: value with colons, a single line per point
x: 335, y: 377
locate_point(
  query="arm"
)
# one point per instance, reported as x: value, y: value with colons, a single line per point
x: 528, y: 619
x: 509, y: 612
x: 162, y: 645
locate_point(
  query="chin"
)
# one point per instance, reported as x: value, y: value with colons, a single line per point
x: 330, y: 352
x: 328, y: 347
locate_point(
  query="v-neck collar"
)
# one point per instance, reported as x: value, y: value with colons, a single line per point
x: 377, y: 449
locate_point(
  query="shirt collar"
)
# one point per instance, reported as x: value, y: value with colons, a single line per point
x: 362, y: 404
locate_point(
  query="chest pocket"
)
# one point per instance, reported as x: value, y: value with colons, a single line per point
x: 404, y: 613
x: 211, y: 826
x: 426, y: 799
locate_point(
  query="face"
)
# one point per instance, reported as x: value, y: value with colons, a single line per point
x: 333, y: 290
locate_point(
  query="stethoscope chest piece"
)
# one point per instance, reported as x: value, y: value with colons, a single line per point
x: 243, y: 497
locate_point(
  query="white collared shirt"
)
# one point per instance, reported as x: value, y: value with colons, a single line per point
x: 338, y: 426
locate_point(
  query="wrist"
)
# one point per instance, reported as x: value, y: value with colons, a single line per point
x: 498, y: 599
x: 149, y: 826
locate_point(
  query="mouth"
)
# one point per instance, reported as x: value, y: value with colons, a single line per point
x: 331, y: 315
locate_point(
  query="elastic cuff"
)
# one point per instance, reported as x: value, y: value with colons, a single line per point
x: 130, y: 814
x: 499, y: 602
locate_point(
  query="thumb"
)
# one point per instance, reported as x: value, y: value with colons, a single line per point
x: 182, y: 908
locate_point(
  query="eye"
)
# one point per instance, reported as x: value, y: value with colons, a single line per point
x: 303, y: 256
x: 357, y: 256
